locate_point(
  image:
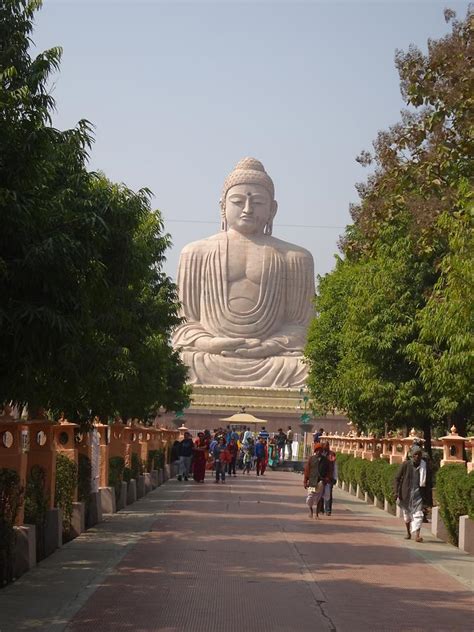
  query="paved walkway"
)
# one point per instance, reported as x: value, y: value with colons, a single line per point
x: 244, y: 557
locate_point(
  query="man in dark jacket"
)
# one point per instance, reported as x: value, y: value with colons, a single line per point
x: 413, y: 489
x: 185, y: 456
x: 315, y: 471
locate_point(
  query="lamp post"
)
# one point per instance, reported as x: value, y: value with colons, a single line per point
x: 305, y: 416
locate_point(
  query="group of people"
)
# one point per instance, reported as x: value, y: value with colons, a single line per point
x: 412, y: 485
x: 226, y: 449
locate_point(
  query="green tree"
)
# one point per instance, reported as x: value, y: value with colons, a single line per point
x: 324, y: 349
x: 402, y: 351
x: 86, y: 312
x: 444, y: 348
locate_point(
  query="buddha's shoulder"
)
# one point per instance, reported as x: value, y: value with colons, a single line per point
x: 201, y: 245
x: 291, y: 251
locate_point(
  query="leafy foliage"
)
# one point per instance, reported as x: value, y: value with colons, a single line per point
x: 455, y: 496
x: 86, y: 313
x: 116, y: 474
x: 11, y: 498
x: 156, y: 460
x: 36, y: 506
x: 136, y: 466
x: 66, y: 482
x: 392, y: 340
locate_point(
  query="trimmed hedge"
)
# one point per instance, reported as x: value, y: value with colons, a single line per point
x: 454, y: 486
x: 374, y: 477
x: 156, y: 460
x: 455, y: 496
x: 66, y: 482
x: 116, y: 468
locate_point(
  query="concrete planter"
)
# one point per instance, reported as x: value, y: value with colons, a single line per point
x: 378, y: 503
x: 94, y: 513
x: 359, y: 493
x: 25, y: 549
x: 140, y: 486
x: 368, y: 498
x: 389, y: 508
x: 167, y: 471
x: 466, y: 534
x: 132, y: 491
x: 148, y: 482
x: 438, y: 528
x: 122, y: 499
x: 154, y: 478
x: 78, y: 521
x: 53, y: 531
x: 346, y: 486
x: 107, y: 500
x: 352, y: 489
x: 160, y: 477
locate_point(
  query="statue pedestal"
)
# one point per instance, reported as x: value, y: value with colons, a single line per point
x: 279, y: 407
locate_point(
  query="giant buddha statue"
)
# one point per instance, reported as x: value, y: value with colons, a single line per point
x: 245, y: 295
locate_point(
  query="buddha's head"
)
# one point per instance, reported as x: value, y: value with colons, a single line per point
x: 248, y: 199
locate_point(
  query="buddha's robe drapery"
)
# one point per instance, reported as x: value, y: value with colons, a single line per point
x: 282, y: 313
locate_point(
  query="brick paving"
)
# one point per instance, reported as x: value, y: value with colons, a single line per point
x: 245, y: 557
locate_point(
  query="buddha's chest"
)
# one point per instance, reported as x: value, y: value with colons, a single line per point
x: 245, y: 261
x: 246, y: 271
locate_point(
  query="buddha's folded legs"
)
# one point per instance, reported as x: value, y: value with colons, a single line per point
x: 272, y: 372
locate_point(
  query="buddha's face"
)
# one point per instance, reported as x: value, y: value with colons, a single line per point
x: 248, y: 207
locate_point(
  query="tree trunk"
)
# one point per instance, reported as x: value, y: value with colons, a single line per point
x: 427, y: 437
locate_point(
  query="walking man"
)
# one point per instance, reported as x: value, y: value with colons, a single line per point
x: 185, y: 456
x: 233, y: 451
x: 413, y: 489
x: 330, y: 478
x: 281, y: 444
x: 315, y: 471
x: 221, y: 458
x: 260, y: 453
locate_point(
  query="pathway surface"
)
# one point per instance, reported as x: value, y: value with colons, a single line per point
x: 244, y: 557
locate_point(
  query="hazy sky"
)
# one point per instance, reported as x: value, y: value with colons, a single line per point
x: 179, y: 92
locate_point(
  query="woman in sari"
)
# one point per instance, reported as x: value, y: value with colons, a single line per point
x: 201, y: 449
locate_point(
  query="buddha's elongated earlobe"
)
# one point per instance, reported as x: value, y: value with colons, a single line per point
x: 223, y: 217
x: 268, y: 228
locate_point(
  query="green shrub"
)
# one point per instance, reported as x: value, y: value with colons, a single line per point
x: 11, y: 498
x: 455, y: 496
x: 36, y: 506
x: 66, y: 482
x: 388, y: 481
x: 84, y: 479
x: 116, y: 470
x: 127, y: 474
x: 136, y: 466
x: 156, y: 460
x: 360, y: 468
x: 375, y: 475
x: 342, y: 461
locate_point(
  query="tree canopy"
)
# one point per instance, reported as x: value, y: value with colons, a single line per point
x: 392, y: 340
x: 86, y: 311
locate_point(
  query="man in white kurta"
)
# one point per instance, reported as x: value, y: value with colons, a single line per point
x: 246, y: 296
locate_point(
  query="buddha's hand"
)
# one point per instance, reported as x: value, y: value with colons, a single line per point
x: 249, y: 343
x: 218, y: 344
x: 263, y: 350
